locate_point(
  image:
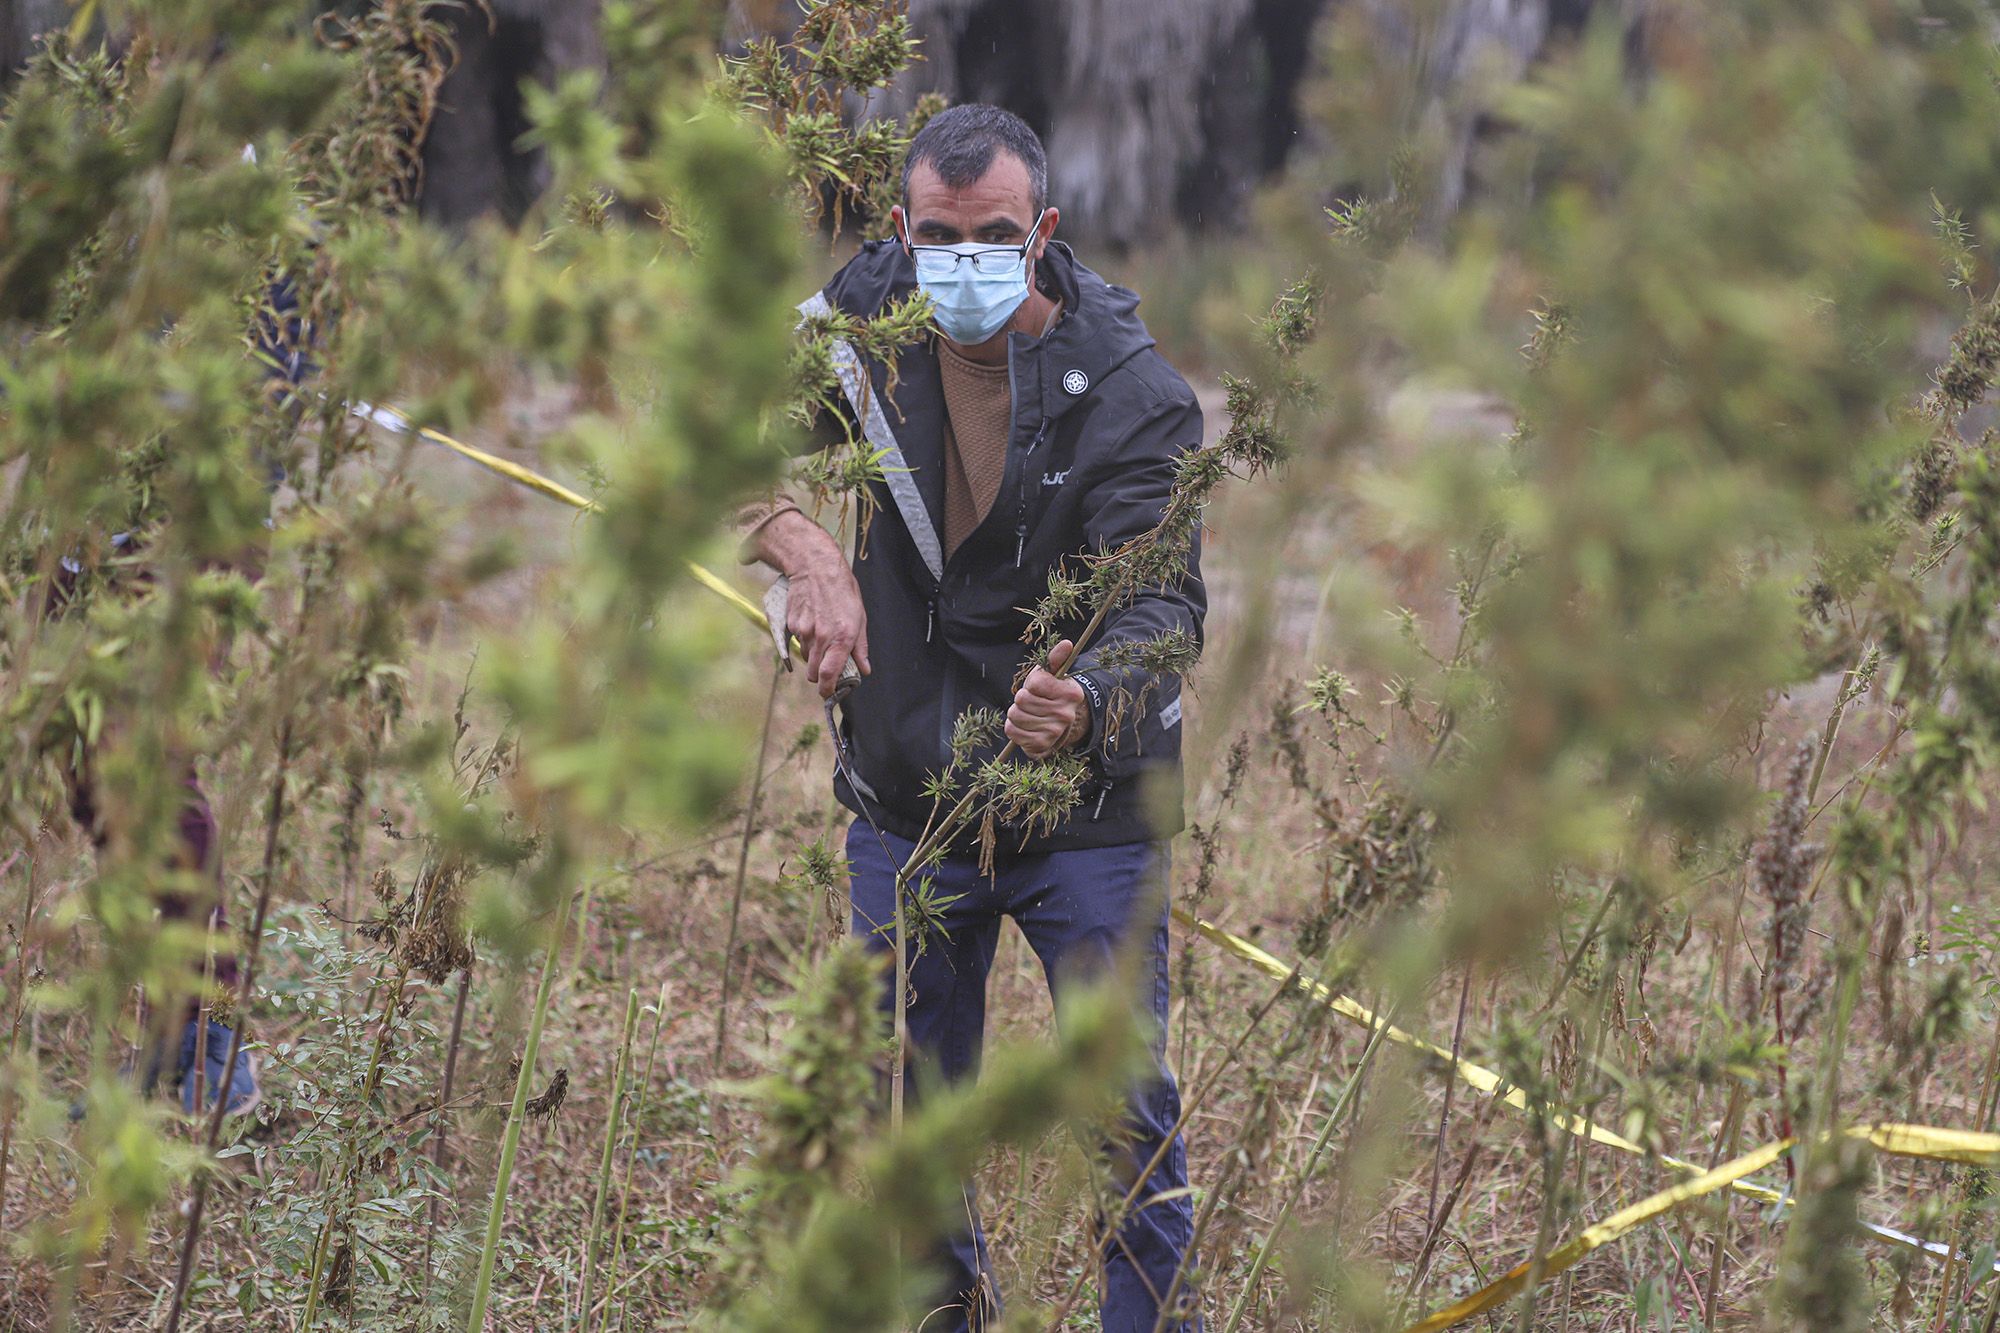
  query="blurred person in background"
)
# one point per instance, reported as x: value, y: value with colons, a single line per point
x: 191, y: 1055
x: 1035, y: 426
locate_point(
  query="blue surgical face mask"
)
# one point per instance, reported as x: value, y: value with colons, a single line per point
x: 974, y: 289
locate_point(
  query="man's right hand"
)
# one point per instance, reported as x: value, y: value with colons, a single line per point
x: 825, y: 614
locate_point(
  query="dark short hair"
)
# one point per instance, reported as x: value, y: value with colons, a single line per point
x: 959, y: 143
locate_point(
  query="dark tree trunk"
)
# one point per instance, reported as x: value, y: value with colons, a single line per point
x: 20, y: 22
x: 1447, y: 52
x: 1164, y: 113
x: 473, y: 164
x: 1156, y: 113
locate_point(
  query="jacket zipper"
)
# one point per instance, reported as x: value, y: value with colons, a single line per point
x: 1021, y: 496
x: 1102, y: 792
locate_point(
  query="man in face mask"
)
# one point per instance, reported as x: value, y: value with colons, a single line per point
x: 1035, y: 427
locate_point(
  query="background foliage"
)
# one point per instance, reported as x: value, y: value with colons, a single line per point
x: 1607, y: 691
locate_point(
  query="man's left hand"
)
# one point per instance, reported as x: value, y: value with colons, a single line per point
x: 1050, y: 712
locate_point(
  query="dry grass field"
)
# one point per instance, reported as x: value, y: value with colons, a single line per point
x: 655, y: 924
x: 1587, y: 887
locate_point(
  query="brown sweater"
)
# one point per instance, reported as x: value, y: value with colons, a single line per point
x: 979, y: 409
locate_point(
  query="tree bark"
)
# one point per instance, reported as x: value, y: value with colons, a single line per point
x: 1157, y: 114
x: 473, y: 165
x: 21, y: 21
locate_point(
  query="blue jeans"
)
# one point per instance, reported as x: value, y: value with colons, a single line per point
x: 1076, y: 909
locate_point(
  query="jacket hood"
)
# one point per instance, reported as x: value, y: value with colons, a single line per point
x: 1100, y: 329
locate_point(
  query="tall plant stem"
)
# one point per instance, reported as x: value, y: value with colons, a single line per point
x: 1420, y: 1272
x: 902, y: 1056
x: 1831, y: 730
x: 442, y: 1121
x: 1732, y: 1124
x: 1444, y: 1113
x: 202, y: 1013
x: 1334, y: 1117
x: 1192, y: 1103
x: 482, y: 1287
x: 370, y: 1082
x: 1779, y: 970
x: 631, y: 1160
x: 743, y: 872
x: 274, y: 812
x: 612, y: 1125
x: 1554, y: 1157
x: 1555, y: 1160
x: 1951, y: 1264
x: 14, y: 1022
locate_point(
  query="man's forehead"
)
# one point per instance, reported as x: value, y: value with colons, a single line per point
x: 1002, y: 190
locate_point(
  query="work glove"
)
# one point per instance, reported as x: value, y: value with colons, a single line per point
x: 777, y: 600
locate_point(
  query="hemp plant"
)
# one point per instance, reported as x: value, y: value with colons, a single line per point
x: 148, y: 240
x: 841, y: 169
x: 1727, y: 480
x: 155, y: 268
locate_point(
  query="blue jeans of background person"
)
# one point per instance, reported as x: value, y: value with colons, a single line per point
x: 1076, y: 909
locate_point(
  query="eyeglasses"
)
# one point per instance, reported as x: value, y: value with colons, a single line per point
x: 942, y: 261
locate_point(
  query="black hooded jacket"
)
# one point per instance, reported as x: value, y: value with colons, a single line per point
x: 1099, y: 419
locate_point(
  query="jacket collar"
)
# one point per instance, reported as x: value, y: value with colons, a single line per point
x: 1099, y: 331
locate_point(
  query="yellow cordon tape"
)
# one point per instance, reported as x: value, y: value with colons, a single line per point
x: 1483, y: 1079
x: 390, y: 419
x: 1601, y: 1233
x: 1932, y: 1142
x: 1949, y: 1145
x: 1900, y: 1140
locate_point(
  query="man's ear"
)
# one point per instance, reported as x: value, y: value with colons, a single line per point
x: 901, y: 222
x: 1046, y: 229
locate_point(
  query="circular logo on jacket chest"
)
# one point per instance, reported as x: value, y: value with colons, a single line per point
x: 1075, y: 382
